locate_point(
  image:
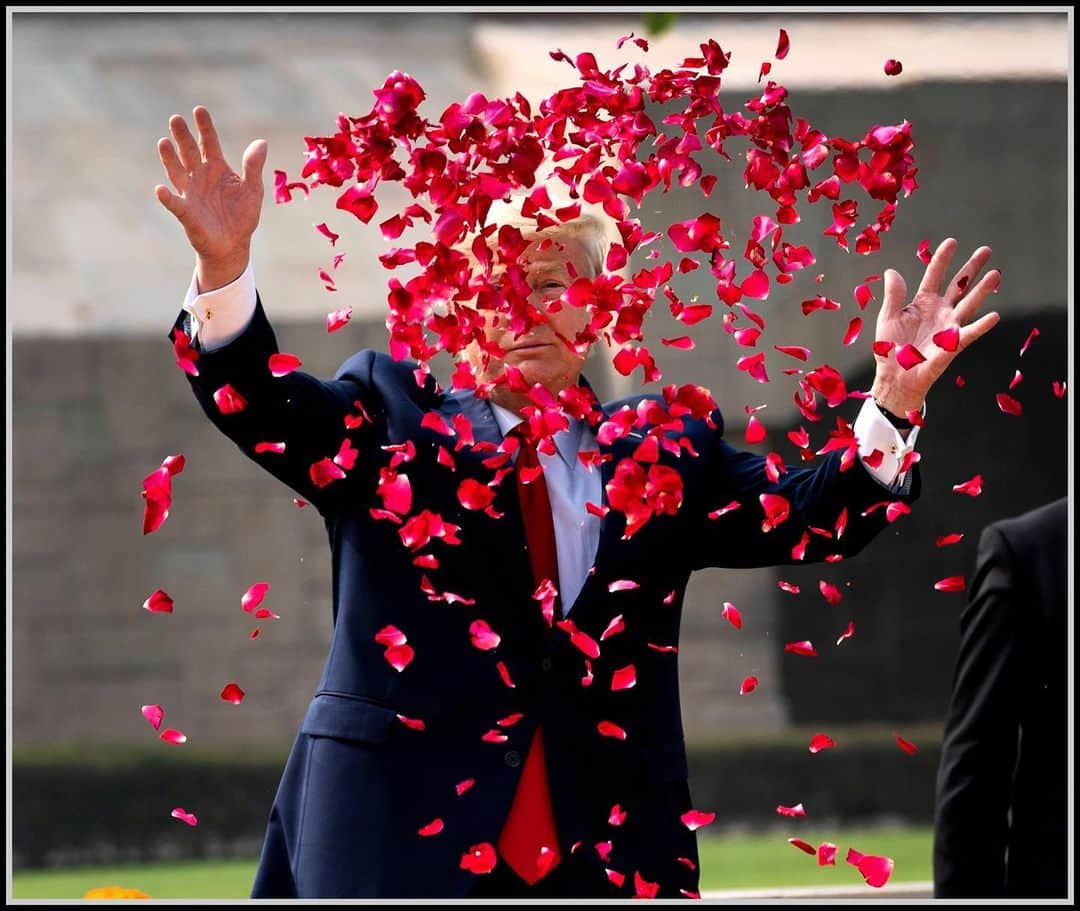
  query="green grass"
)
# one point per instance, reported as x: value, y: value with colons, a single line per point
x: 727, y: 862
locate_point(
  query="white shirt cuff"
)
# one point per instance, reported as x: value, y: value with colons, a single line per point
x: 220, y: 316
x: 876, y: 435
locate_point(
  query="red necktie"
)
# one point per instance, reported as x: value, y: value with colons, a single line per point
x: 530, y: 825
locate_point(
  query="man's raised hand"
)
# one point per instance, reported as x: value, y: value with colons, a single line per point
x: 218, y: 208
x: 929, y: 313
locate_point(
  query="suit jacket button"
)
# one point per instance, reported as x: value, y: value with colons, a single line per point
x: 546, y: 664
x: 512, y: 759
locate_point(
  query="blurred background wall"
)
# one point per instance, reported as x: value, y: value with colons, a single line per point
x: 100, y: 270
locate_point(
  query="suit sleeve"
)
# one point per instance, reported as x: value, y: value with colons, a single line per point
x: 816, y: 498
x: 304, y: 412
x: 979, y: 750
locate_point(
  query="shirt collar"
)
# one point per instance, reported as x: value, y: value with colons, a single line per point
x: 567, y: 442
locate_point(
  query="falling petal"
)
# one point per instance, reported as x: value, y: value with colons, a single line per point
x: 610, y: 729
x: 462, y: 786
x: 300, y: 503
x: 254, y: 633
x: 882, y: 349
x: 847, y: 633
x: 853, y: 330
x: 821, y: 742
x: 755, y: 431
x: 946, y: 540
x: 789, y: 587
x: 232, y: 693
x: 731, y: 613
x: 399, y: 656
x: 948, y: 339
x: 494, y: 736
x: 173, y: 736
x: 776, y: 508
x: 731, y: 507
x: 154, y: 714
x: 893, y: 67
x: 283, y: 364
x: 1058, y: 388
x: 253, y: 597
x: 830, y: 592
x: 615, y: 626
x: 748, y: 685
x: 826, y: 854
x: 413, y: 724
x: 158, y: 603
x: 324, y: 471
x: 695, y: 819
x: 950, y: 584
x: 875, y: 870
x: 783, y: 45
x: 264, y: 613
x: 336, y: 319
x: 615, y: 877
x: 278, y: 448
x: 923, y: 253
x: 802, y: 845
x: 617, y: 816
x: 643, y: 888
x: 795, y: 351
x: 483, y: 636
x: 479, y: 858
x: 906, y: 745
x: 505, y: 674
x: 797, y: 810
x: 1032, y: 335
x: 909, y: 356
x: 1009, y: 405
x: 1017, y: 378
x: 432, y: 828
x: 804, y: 647
x: 184, y: 816
x: 972, y: 488
x: 622, y: 585
x: 228, y: 400
x: 174, y: 464
x: 623, y: 678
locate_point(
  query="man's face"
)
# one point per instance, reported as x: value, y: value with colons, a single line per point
x: 540, y: 355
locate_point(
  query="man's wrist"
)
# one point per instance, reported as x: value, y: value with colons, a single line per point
x: 217, y: 273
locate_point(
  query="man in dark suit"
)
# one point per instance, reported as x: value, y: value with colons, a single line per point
x: 1002, y: 799
x: 499, y: 711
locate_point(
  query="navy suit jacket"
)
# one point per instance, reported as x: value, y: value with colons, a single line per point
x: 1001, y: 826
x: 359, y: 782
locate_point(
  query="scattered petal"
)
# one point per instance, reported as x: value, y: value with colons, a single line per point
x: 432, y: 828
x: 336, y: 319
x: 909, y: 356
x: 483, y: 636
x: 972, y: 488
x: 946, y: 540
x: 804, y: 647
x: 228, y: 400
x: 748, y: 685
x: 797, y: 810
x: 731, y: 613
x: 853, y: 330
x: 826, y: 854
x: 622, y: 585
x: 830, y: 592
x: 950, y: 584
x: 821, y: 742
x: 610, y: 729
x: 399, y: 656
x: 1009, y: 405
x: 158, y: 603
x: 479, y: 859
x: 232, y: 693
x: 617, y: 816
x: 802, y: 845
x: 789, y: 587
x: 847, y: 633
x: 695, y: 819
x: 184, y: 816
x: 783, y: 45
x: 1032, y: 335
x: 253, y: 597
x: 875, y: 870
x: 154, y: 714
x: 906, y: 745
x: 624, y: 678
x: 283, y: 364
x: 948, y: 339
x: 923, y: 253
x: 170, y: 735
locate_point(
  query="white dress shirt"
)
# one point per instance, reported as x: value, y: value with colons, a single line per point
x: 221, y: 315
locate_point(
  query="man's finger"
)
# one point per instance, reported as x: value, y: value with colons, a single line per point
x: 970, y: 304
x: 895, y: 295
x: 209, y: 144
x: 964, y: 279
x: 977, y: 329
x: 185, y: 143
x: 939, y: 264
x: 254, y: 159
x: 171, y: 201
x: 172, y: 165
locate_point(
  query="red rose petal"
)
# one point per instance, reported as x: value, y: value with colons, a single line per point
x: 615, y: 626
x: 1009, y: 405
x: 1032, y: 335
x: 804, y: 647
x: 173, y: 736
x: 253, y: 597
x: 783, y: 45
x: 622, y: 585
x: 432, y: 828
x: 906, y: 745
x: 1016, y: 380
x: 158, y: 603
x: 948, y: 339
x: 950, y: 584
x: 413, y: 724
x: 946, y: 540
x: 893, y: 67
x: 154, y: 714
x: 336, y: 319
x: 324, y: 471
x: 615, y: 877
x: 797, y: 810
x: 174, y: 464
x: 624, y: 678
x: 479, y: 859
x: 923, y: 252
x: 795, y: 351
x: 909, y: 356
x: 748, y: 685
x: 821, y: 742
x: 228, y: 400
x: 882, y: 349
x: 789, y: 587
x: 184, y: 816
x: 972, y: 487
x: 462, y: 786
x: 283, y: 364
x: 776, y: 508
x: 278, y: 448
x: 802, y: 845
x: 731, y: 613
x: 399, y: 656
x: 695, y: 819
x: 610, y: 729
x: 643, y: 888
x: 1058, y: 388
x: 826, y: 854
x: 853, y: 330
x: 232, y: 693
x: 847, y: 633
x: 875, y: 870
x: 731, y: 507
x: 483, y: 636
x: 755, y: 431
x: 830, y: 592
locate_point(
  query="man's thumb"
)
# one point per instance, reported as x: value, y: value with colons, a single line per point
x: 254, y: 159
